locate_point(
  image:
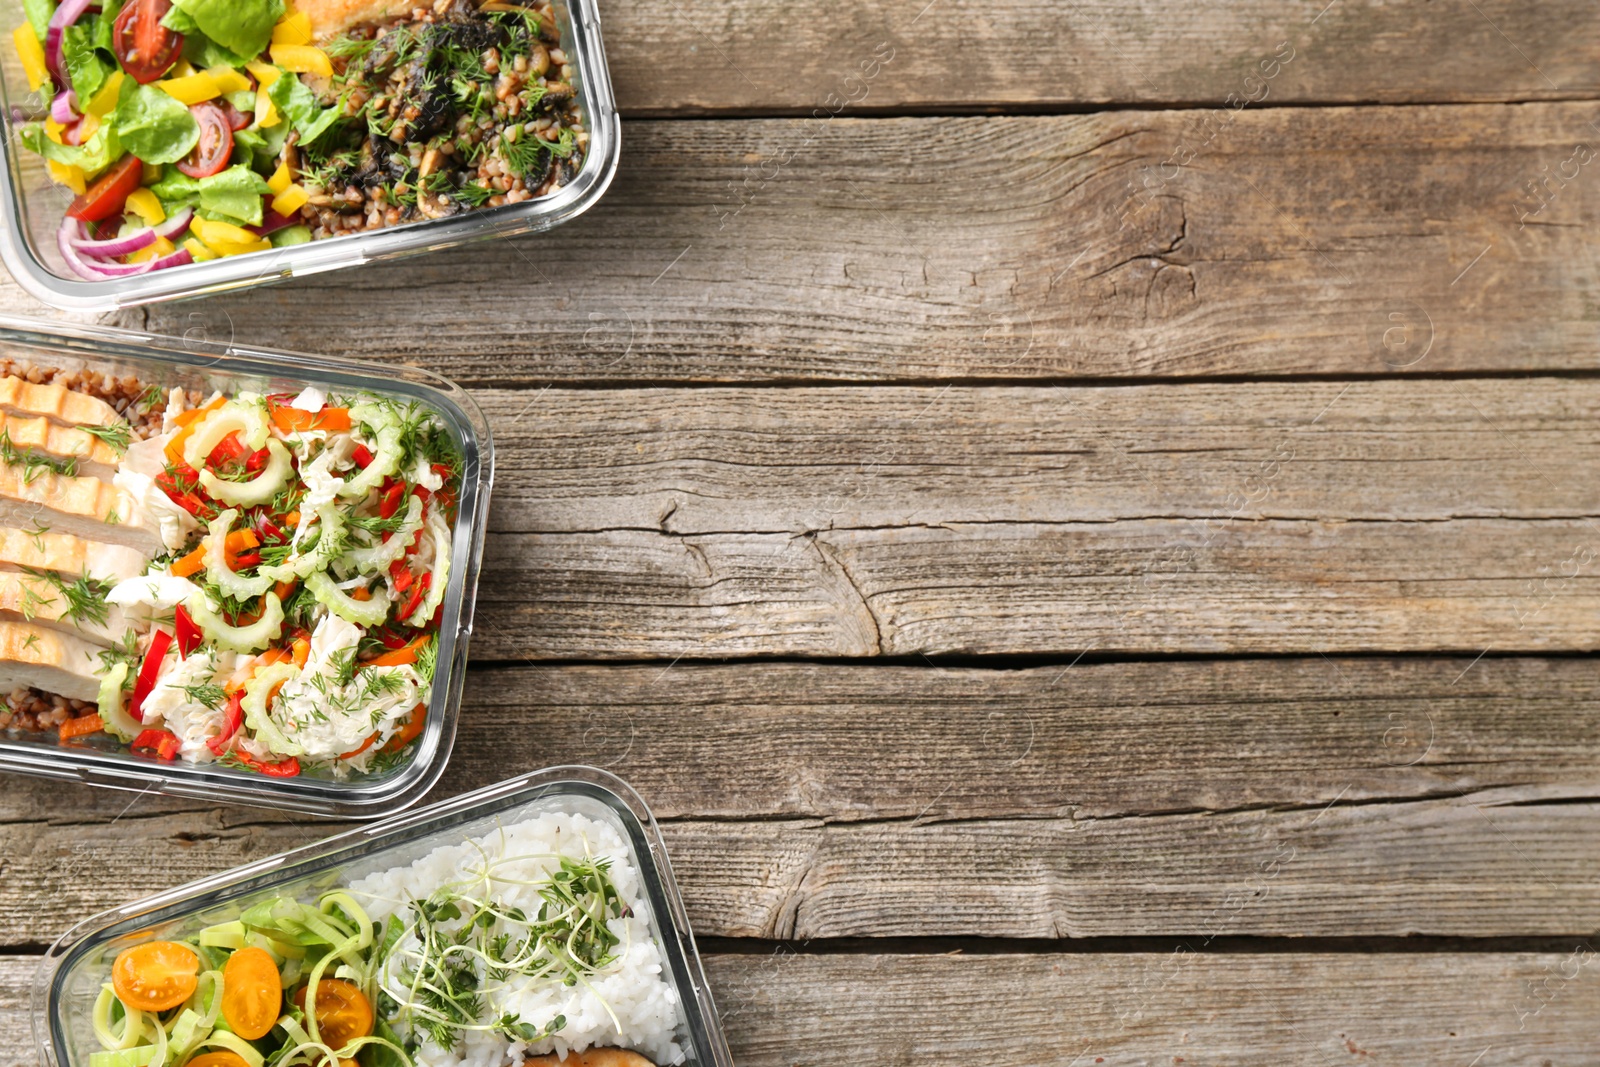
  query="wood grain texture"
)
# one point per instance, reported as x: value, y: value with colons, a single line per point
x: 1209, y: 1009
x: 1005, y: 248
x: 739, y: 56
x: 1320, y: 797
x: 1373, y: 516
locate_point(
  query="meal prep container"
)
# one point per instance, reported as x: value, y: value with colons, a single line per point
x: 31, y: 205
x: 166, y: 362
x: 72, y: 971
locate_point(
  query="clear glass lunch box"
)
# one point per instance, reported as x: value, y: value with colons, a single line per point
x: 72, y: 971
x: 101, y: 760
x: 32, y: 206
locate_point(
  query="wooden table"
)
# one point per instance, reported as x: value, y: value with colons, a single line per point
x: 1089, y: 549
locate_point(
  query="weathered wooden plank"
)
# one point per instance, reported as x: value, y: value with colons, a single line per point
x: 1408, y: 515
x: 766, y: 56
x: 1334, y: 797
x: 1507, y: 1009
x: 1014, y: 248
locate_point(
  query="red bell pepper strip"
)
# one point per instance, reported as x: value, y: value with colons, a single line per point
x: 363, y: 456
x: 189, y: 635
x: 229, y: 450
x: 286, y: 768
x: 164, y: 743
x: 258, y: 460
x: 389, y: 503
x: 402, y: 575
x: 232, y: 722
x: 160, y: 641
x: 418, y: 593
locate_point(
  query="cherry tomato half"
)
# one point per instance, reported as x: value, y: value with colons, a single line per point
x: 251, y: 992
x: 211, y: 153
x: 155, y: 976
x: 343, y: 1013
x: 219, y: 1058
x: 145, y: 48
x: 109, y: 194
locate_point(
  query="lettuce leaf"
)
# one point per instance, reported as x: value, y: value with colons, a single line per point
x: 243, y: 27
x: 86, y: 68
x: 94, y: 155
x: 291, y: 97
x: 153, y: 125
x: 39, y: 12
x: 234, y: 195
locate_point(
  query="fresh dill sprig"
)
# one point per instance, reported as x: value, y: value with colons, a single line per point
x: 116, y: 437
x: 124, y: 651
x: 428, y: 660
x: 33, y: 463
x: 85, y: 596
x: 207, y: 695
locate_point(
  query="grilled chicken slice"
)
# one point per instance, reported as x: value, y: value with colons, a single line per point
x: 49, y: 660
x: 44, y: 550
x: 55, y: 402
x: 96, y: 459
x: 84, y: 507
x: 329, y: 18
x: 35, y: 598
x: 594, y: 1057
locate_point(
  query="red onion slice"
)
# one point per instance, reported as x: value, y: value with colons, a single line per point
x: 69, y: 12
x: 271, y: 223
x: 64, y: 108
x: 116, y: 246
x: 176, y: 224
x: 97, y: 270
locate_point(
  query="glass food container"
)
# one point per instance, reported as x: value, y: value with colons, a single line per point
x: 166, y: 362
x: 31, y: 205
x: 73, y: 970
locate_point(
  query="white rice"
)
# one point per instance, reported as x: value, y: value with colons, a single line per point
x: 629, y: 1003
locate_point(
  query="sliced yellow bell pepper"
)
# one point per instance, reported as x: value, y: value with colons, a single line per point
x: 104, y: 101
x: 87, y: 127
x: 228, y: 240
x: 291, y: 200
x: 31, y: 52
x: 195, y: 89
x: 72, y: 177
x: 199, y: 251
x: 293, y: 28
x: 302, y: 59
x: 266, y: 111
x: 52, y: 130
x: 161, y: 247
x: 265, y: 73
x: 281, y: 178
x: 229, y: 79
x: 147, y: 206
x: 181, y: 69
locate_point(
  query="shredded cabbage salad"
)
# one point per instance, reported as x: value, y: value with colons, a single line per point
x: 293, y: 620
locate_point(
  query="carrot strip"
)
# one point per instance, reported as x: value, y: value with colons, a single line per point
x: 408, y: 732
x: 82, y: 726
x: 401, y: 656
x: 193, y: 563
x: 294, y: 420
x: 187, y: 421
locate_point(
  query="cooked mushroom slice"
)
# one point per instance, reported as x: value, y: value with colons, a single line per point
x: 61, y: 603
x: 40, y: 548
x: 56, y: 402
x: 48, y: 660
x: 84, y: 507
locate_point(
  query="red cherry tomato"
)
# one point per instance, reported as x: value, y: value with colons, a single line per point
x: 145, y: 48
x: 237, y: 120
x: 109, y: 194
x: 211, y: 153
